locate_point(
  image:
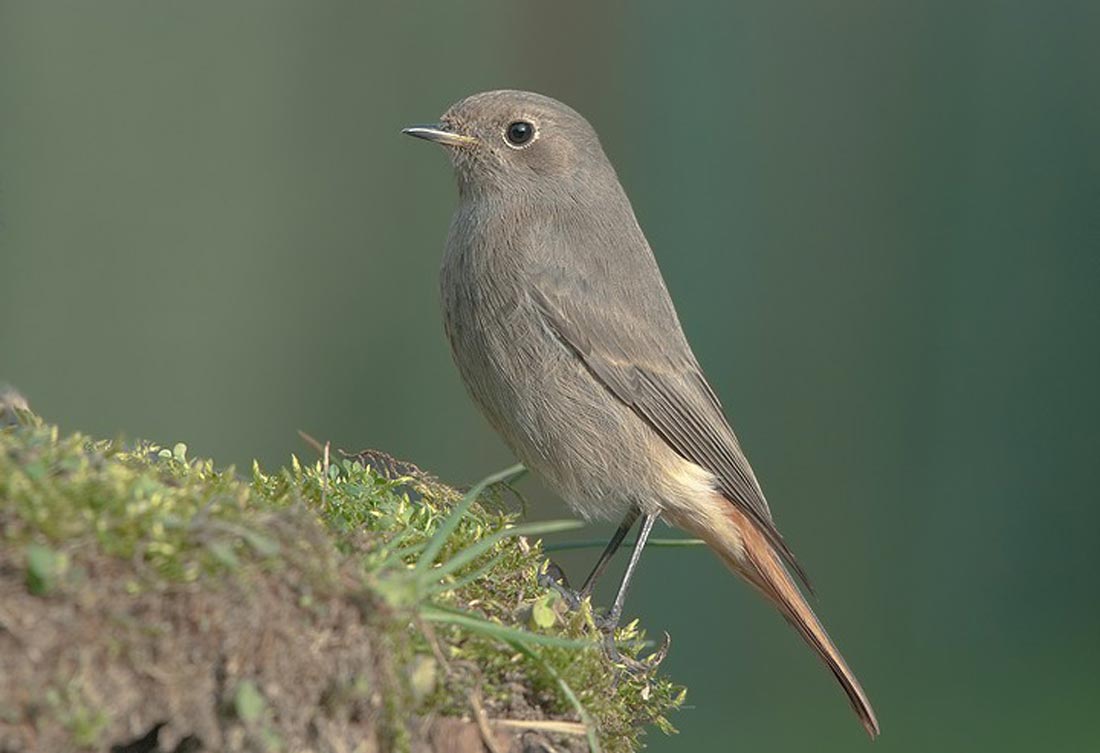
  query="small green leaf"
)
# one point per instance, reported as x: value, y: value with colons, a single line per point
x: 44, y: 566
x: 543, y: 614
x: 248, y: 702
x: 179, y: 452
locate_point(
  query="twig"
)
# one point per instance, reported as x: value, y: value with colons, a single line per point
x: 543, y: 725
x: 482, y: 721
x: 433, y: 642
x: 310, y: 441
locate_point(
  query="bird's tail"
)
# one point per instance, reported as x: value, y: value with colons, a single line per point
x: 746, y: 551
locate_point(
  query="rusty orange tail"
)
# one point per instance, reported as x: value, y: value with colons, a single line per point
x: 750, y: 555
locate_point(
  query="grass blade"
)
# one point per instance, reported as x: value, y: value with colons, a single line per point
x: 427, y: 557
x: 534, y: 529
x: 475, y: 550
x: 597, y: 543
x: 438, y: 588
x: 396, y: 557
x: 509, y: 635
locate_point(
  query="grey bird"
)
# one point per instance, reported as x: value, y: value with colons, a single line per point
x: 566, y: 337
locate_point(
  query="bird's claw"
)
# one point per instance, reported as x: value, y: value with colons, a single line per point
x: 552, y: 577
x: 636, y: 666
x: 658, y: 656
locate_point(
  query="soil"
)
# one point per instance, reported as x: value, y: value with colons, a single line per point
x: 170, y: 669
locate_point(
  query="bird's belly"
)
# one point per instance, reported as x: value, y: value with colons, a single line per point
x: 562, y: 423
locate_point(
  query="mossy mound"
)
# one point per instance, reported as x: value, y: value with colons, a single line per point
x: 151, y: 602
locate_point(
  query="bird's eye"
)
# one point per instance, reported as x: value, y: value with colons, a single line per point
x: 519, y: 133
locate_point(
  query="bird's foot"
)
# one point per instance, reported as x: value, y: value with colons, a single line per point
x: 552, y: 577
x: 631, y: 665
x: 608, y: 625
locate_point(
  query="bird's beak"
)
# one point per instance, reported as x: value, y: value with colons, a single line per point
x: 439, y: 134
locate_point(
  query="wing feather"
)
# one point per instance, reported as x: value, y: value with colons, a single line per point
x: 663, y: 384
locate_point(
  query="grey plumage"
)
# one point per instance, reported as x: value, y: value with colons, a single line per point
x: 565, y: 335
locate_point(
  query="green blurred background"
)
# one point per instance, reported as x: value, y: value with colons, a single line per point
x: 880, y: 222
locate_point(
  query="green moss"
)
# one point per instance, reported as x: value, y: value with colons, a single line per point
x: 84, y: 722
x: 182, y: 520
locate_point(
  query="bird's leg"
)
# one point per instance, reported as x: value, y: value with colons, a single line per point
x: 609, y: 552
x: 612, y: 620
x: 554, y: 577
x: 617, y: 606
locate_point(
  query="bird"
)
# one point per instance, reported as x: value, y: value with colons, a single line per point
x: 565, y: 335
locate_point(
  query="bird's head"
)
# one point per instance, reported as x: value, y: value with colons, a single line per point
x: 517, y: 141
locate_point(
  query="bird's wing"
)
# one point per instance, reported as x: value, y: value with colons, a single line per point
x: 656, y: 375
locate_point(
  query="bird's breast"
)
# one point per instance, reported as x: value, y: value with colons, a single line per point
x: 533, y: 388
